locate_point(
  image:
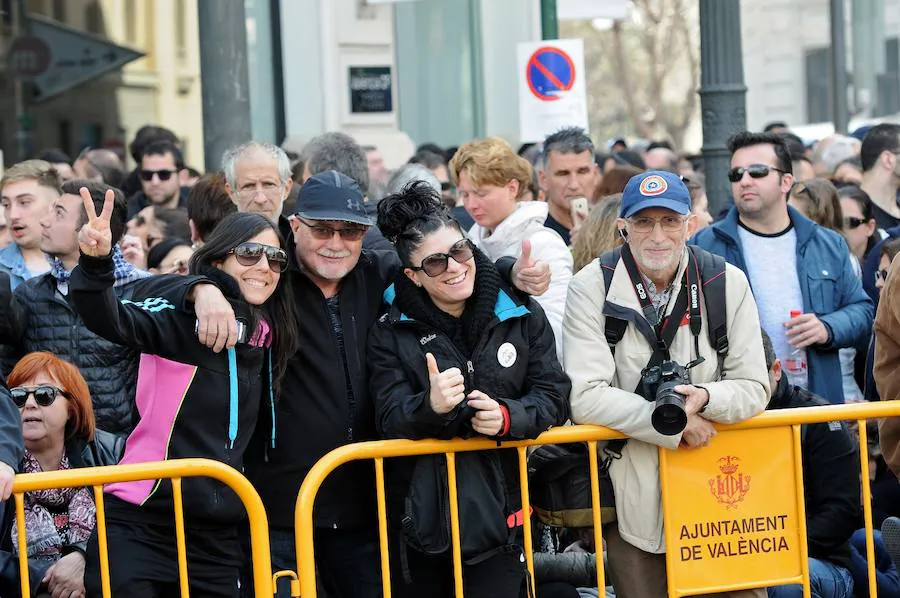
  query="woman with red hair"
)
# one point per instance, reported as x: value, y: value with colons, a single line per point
x: 58, y: 428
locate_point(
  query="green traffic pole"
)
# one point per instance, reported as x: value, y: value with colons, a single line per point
x: 549, y: 20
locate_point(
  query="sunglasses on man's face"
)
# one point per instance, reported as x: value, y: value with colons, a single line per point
x: 437, y: 263
x: 164, y: 175
x: 756, y: 171
x: 320, y: 232
x: 850, y: 222
x: 44, y: 395
x: 249, y: 254
x: 881, y: 274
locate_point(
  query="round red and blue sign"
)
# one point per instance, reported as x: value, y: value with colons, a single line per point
x: 550, y: 72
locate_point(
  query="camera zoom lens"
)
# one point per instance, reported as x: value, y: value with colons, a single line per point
x: 669, y: 417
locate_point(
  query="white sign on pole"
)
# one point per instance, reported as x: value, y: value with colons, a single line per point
x: 552, y: 88
x: 74, y: 57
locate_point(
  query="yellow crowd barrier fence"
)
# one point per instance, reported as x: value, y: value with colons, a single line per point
x: 175, y: 470
x: 734, y: 511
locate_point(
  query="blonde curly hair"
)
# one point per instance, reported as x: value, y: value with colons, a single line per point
x: 490, y: 161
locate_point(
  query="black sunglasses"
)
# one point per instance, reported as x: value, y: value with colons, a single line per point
x: 436, y: 263
x: 851, y: 222
x: 756, y: 171
x: 44, y: 395
x: 164, y: 175
x: 881, y: 274
x: 249, y: 254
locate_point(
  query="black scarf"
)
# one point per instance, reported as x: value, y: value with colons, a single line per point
x: 479, y: 310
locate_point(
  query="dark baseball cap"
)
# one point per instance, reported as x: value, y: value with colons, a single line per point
x: 331, y: 195
x: 655, y: 189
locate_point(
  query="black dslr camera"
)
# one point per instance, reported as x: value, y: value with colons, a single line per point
x: 669, y: 417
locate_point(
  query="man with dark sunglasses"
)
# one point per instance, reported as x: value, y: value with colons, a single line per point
x: 162, y: 174
x: 810, y: 301
x: 324, y: 403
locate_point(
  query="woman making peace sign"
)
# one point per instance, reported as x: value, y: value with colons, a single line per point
x: 192, y: 401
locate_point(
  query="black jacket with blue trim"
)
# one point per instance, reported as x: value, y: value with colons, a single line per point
x: 191, y: 401
x: 514, y: 362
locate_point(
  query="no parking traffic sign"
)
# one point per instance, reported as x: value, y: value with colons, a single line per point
x: 552, y: 91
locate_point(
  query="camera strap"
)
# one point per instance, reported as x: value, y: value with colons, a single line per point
x: 687, y: 302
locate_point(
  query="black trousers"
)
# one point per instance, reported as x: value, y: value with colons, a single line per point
x: 143, y: 561
x: 503, y: 575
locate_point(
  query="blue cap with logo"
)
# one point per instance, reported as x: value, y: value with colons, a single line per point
x: 655, y: 189
x: 331, y: 195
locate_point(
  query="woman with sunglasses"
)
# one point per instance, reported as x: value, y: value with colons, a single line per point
x: 58, y: 427
x: 192, y: 401
x: 458, y: 354
x: 860, y: 228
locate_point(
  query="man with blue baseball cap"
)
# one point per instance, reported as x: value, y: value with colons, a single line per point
x: 639, y: 309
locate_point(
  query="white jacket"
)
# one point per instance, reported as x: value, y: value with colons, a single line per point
x: 527, y: 222
x: 602, y: 385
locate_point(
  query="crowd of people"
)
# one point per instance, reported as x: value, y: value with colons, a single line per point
x: 289, y: 304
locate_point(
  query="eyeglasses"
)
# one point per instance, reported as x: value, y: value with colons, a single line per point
x: 44, y: 395
x: 437, y: 263
x: 249, y: 254
x: 321, y: 232
x: 850, y: 222
x: 164, y: 175
x: 670, y: 224
x: 756, y: 171
x: 269, y: 189
x: 881, y: 274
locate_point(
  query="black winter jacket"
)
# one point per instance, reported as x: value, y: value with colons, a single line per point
x: 314, y: 416
x: 514, y: 362
x: 192, y: 402
x: 50, y: 323
x: 104, y: 449
x: 830, y: 479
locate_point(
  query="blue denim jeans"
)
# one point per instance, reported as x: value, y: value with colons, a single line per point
x: 826, y: 580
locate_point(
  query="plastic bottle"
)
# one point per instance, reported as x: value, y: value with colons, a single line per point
x: 795, y: 364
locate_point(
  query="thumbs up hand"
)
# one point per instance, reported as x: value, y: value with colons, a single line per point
x: 529, y: 275
x: 448, y: 388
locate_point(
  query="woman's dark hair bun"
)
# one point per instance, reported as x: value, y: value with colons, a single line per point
x: 399, y: 211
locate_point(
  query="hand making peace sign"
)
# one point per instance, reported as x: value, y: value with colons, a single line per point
x: 95, y: 237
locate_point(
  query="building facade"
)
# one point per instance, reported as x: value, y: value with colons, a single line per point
x: 162, y: 87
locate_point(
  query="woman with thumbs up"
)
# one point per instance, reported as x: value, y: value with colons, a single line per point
x: 458, y: 355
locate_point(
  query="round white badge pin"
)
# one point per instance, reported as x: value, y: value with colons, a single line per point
x: 506, y: 355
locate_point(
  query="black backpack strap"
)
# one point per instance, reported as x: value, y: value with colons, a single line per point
x: 712, y: 273
x: 614, y: 328
x: 614, y: 331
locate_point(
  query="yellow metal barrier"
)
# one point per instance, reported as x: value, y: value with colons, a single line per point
x: 175, y: 470
x: 380, y: 450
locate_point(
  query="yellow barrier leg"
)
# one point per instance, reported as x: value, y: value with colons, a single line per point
x: 179, y: 538
x: 382, y: 528
x: 867, y: 504
x: 801, y: 510
x: 454, y: 525
x: 23, y: 544
x: 101, y: 541
x: 595, y: 511
x: 526, y: 511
